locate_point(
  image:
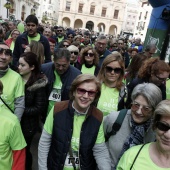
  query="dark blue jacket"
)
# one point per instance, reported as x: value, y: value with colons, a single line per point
x: 101, y: 58
x: 66, y: 79
x: 62, y: 135
x: 21, y: 43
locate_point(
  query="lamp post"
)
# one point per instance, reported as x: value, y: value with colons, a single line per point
x: 7, y: 6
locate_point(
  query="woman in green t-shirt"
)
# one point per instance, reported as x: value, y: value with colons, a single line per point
x: 113, y: 90
x: 89, y: 61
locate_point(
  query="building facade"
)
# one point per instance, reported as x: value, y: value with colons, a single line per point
x: 45, y: 10
x: 104, y: 16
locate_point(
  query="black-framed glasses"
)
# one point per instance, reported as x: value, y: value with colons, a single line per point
x: 136, y: 106
x: 70, y: 37
x: 7, y: 52
x: 88, y: 54
x: 82, y: 91
x: 116, y: 70
x: 74, y: 52
x: 161, y: 79
x: 163, y: 126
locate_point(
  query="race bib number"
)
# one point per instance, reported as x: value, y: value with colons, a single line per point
x: 68, y: 162
x: 55, y: 95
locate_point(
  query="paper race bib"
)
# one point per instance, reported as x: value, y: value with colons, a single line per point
x: 68, y: 163
x: 55, y: 95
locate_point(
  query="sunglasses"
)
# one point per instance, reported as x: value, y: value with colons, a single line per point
x: 75, y: 52
x: 161, y: 79
x: 89, y: 54
x: 83, y: 91
x: 162, y: 126
x: 7, y: 52
x: 65, y: 45
x: 59, y: 30
x: 70, y: 37
x: 120, y: 43
x: 136, y: 106
x: 116, y: 70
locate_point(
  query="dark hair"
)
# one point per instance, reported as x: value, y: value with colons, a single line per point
x: 31, y: 59
x: 31, y: 18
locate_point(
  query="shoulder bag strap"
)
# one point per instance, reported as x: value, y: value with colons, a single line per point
x: 137, y: 156
x: 6, y: 105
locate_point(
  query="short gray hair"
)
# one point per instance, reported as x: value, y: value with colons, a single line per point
x: 73, y: 48
x: 149, y: 91
x: 62, y: 53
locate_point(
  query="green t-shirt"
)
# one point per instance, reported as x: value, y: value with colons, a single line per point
x: 108, y: 100
x: 13, y: 88
x: 86, y: 70
x: 55, y: 95
x: 11, y: 138
x: 12, y: 46
x: 78, y: 121
x: 143, y: 161
x: 37, y: 38
x: 168, y: 89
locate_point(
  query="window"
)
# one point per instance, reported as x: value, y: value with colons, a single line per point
x: 132, y: 23
x: 80, y: 9
x: 143, y: 25
x: 146, y: 14
x: 68, y: 4
x: 116, y: 13
x: 92, y: 8
x: 49, y: 1
x: 140, y: 15
x: 103, y: 12
x: 129, y: 16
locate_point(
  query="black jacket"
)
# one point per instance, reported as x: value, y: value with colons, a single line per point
x: 35, y: 106
x: 66, y: 78
x: 21, y: 43
x: 62, y: 135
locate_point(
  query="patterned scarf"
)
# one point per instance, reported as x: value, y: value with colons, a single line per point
x: 136, y: 137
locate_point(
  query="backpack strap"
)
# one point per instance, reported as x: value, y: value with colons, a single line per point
x: 117, y: 124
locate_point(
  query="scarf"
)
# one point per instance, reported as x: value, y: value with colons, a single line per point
x: 136, y: 137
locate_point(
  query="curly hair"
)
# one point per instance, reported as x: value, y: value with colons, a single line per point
x: 86, y: 49
x: 153, y: 66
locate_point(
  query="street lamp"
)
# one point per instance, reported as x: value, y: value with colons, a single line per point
x: 7, y: 6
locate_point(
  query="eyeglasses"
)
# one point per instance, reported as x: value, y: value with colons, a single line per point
x: 70, y: 37
x: 136, y: 106
x: 89, y: 54
x: 59, y: 30
x: 75, y: 52
x: 161, y: 79
x: 116, y: 70
x: 120, y: 43
x: 83, y: 91
x: 65, y: 45
x: 7, y: 52
x: 162, y: 126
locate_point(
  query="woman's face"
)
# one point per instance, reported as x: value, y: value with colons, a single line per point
x: 140, y: 110
x: 89, y: 57
x: 15, y: 34
x: 112, y: 72
x: 27, y: 49
x: 163, y: 137
x: 84, y: 95
x: 24, y: 68
x: 159, y: 79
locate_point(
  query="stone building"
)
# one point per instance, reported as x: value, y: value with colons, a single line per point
x: 104, y: 16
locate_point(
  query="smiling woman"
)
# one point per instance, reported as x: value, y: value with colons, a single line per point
x: 82, y: 130
x: 136, y: 127
x: 153, y: 155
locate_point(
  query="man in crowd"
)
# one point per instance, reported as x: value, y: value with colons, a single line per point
x: 13, y: 91
x: 52, y: 43
x: 47, y: 33
x: 150, y: 50
x: 60, y: 75
x: 137, y: 45
x: 12, y: 26
x: 100, y: 46
x: 31, y: 34
x: 12, y: 142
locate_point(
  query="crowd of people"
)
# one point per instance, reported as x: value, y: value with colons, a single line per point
x: 103, y: 101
